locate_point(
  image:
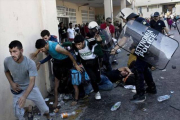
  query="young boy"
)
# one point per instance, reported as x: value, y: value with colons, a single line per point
x: 87, y: 53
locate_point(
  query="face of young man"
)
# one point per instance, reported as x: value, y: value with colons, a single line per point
x: 80, y: 45
x: 46, y: 38
x: 16, y: 53
x: 44, y: 49
x: 124, y: 73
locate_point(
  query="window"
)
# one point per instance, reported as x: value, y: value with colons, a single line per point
x: 91, y: 16
x: 84, y: 14
x: 61, y: 11
x: 72, y: 15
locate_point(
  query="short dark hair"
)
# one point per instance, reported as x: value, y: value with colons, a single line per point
x: 15, y: 43
x: 40, y: 43
x: 44, y: 33
x: 108, y: 18
x: 70, y: 24
x: 78, y: 39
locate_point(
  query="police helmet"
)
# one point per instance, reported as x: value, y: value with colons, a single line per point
x: 93, y: 25
x: 128, y: 13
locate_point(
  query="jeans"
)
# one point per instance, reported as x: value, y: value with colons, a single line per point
x: 105, y: 84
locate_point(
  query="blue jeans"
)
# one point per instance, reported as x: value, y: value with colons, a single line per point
x: 105, y: 84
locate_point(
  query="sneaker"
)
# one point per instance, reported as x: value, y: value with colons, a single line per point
x: 98, y: 96
x: 151, y: 90
x: 137, y: 98
x: 67, y: 97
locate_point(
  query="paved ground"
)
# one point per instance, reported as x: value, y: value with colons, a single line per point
x: 166, y: 81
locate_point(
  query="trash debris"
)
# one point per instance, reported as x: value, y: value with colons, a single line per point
x: 56, y: 110
x: 51, y: 103
x: 164, y: 70
x: 171, y: 92
x: 144, y: 109
x: 52, y: 114
x: 173, y: 67
x: 115, y: 106
x: 46, y: 99
x: 134, y: 91
x: 66, y: 115
x: 162, y: 77
x: 130, y: 87
x: 163, y: 98
x: 36, y: 118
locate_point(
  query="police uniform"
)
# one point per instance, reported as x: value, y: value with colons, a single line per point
x: 159, y: 25
x: 141, y: 68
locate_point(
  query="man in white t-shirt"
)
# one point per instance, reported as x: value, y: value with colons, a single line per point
x: 71, y: 32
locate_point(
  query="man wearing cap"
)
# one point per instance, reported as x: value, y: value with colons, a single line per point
x: 158, y: 24
x: 141, y: 71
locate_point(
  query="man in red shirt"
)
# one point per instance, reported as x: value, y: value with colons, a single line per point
x: 108, y: 24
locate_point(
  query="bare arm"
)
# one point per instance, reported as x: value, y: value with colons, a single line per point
x: 121, y: 42
x: 166, y: 30
x: 125, y: 69
x: 34, y: 55
x: 14, y: 86
x: 65, y: 52
x: 30, y: 87
x: 9, y: 77
x: 113, y: 35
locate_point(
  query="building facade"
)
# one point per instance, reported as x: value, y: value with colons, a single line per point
x: 164, y: 7
x: 23, y: 20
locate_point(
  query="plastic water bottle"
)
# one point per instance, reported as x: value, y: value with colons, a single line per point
x: 163, y: 98
x: 66, y: 115
x: 116, y: 106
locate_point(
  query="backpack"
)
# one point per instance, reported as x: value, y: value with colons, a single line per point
x: 78, y: 78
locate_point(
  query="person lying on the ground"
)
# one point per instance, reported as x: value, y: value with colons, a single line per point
x: 123, y: 74
x: 105, y: 84
x: 45, y: 34
x: 63, y: 61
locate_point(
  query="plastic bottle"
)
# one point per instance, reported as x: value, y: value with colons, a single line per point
x: 66, y: 115
x: 116, y: 106
x: 163, y: 98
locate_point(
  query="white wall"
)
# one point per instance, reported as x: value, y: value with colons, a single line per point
x: 23, y: 20
x: 152, y: 9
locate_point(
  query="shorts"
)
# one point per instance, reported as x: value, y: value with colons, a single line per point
x: 61, y: 68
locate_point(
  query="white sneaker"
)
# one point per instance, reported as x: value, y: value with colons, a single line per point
x: 98, y: 96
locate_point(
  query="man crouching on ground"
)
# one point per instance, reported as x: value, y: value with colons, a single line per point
x: 21, y: 72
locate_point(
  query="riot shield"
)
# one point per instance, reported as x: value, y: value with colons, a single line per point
x: 147, y: 44
x: 107, y: 42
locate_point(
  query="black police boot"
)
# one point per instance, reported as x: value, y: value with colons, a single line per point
x: 139, y: 97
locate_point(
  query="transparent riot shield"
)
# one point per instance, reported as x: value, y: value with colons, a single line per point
x: 147, y: 44
x: 107, y: 42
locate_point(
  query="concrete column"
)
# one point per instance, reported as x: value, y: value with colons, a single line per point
x: 123, y: 4
x: 108, y: 8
